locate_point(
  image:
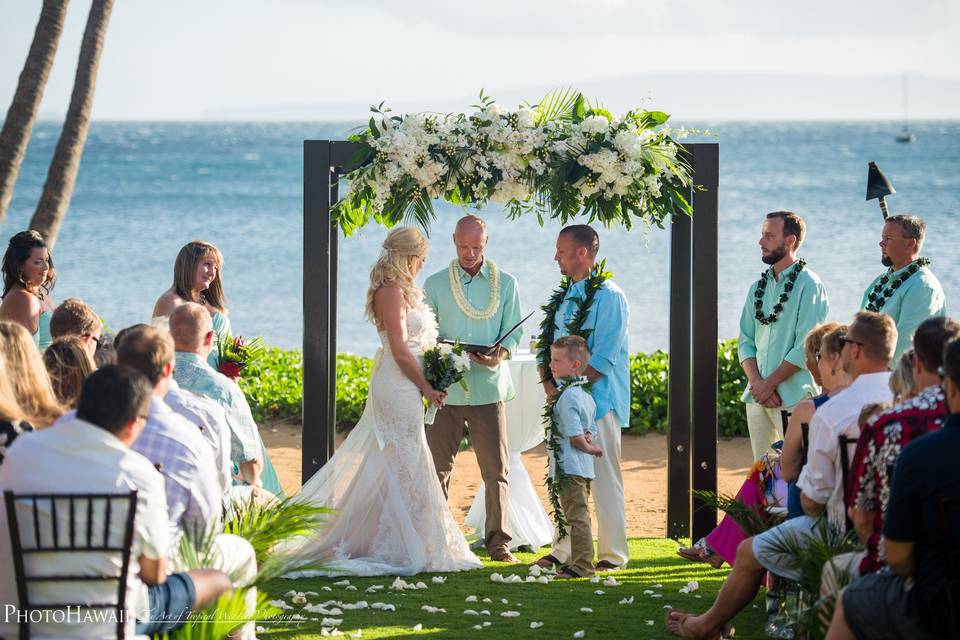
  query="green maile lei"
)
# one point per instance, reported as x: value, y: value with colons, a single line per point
x: 778, y: 307
x: 881, y: 293
x: 574, y: 327
x: 594, y: 282
x: 556, y: 483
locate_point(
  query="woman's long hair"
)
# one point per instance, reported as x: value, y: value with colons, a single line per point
x: 68, y: 364
x: 9, y: 409
x: 18, y: 251
x: 185, y: 270
x: 27, y: 377
x: 392, y: 268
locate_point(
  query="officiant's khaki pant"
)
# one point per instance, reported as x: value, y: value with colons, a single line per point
x: 488, y: 437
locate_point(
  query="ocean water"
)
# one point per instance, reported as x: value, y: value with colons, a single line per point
x: 147, y: 188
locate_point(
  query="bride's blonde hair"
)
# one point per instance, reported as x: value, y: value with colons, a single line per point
x: 392, y: 268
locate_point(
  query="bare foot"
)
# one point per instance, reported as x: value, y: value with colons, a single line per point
x: 684, y: 625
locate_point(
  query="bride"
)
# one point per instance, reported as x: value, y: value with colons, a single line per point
x: 390, y: 515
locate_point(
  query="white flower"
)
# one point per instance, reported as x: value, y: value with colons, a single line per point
x: 331, y: 622
x: 298, y: 599
x: 445, y: 348
x: 594, y: 125
x: 627, y: 600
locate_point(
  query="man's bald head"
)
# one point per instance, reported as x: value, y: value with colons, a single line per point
x: 470, y: 239
x: 191, y: 328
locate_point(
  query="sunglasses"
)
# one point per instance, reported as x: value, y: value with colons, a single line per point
x: 847, y: 340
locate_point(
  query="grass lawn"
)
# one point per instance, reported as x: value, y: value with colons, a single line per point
x: 654, y: 567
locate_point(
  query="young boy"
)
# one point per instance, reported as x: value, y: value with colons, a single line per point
x: 574, y: 421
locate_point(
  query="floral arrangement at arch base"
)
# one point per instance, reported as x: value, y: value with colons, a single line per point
x: 560, y: 158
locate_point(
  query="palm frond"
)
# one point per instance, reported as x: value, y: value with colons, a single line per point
x: 264, y: 525
x: 753, y: 520
x: 222, y: 618
x: 557, y: 105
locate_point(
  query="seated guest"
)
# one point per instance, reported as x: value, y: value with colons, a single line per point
x: 868, y: 347
x: 192, y: 332
x: 206, y: 415
x: 30, y: 383
x: 821, y: 346
x: 105, y: 353
x: 887, y: 435
x: 68, y: 363
x: 909, y: 599
x: 12, y: 420
x: 74, y: 318
x: 172, y: 444
x: 902, y: 382
x: 28, y: 279
x: 89, y: 453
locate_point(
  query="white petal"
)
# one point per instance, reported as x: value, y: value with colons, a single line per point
x: 470, y: 612
x: 586, y: 610
x: 649, y: 623
x: 599, y: 592
x: 417, y: 627
x: 438, y: 579
x: 579, y: 634
x: 477, y: 627
x: 536, y: 625
x: 510, y: 614
x: 487, y: 624
x: 471, y: 599
x: 342, y: 583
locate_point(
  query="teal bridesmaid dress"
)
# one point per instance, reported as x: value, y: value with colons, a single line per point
x: 221, y: 331
x: 42, y: 337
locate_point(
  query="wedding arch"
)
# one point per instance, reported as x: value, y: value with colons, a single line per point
x: 562, y: 158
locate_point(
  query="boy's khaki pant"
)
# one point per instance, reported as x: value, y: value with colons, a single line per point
x: 574, y: 499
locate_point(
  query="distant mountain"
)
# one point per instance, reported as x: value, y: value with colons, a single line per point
x: 687, y: 96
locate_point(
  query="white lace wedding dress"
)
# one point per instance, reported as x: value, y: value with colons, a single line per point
x: 391, y: 517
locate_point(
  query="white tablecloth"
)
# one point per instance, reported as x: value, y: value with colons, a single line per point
x: 528, y: 522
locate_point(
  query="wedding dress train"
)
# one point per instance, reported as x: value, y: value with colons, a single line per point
x: 390, y: 516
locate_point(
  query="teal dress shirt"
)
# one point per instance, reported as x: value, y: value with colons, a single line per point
x: 918, y: 298
x: 485, y: 385
x: 609, y: 319
x: 194, y: 374
x: 771, y: 344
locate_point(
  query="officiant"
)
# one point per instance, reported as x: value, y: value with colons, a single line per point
x: 475, y: 302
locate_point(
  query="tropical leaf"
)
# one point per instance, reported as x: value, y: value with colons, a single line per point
x: 557, y: 105
x: 266, y: 524
x: 230, y: 612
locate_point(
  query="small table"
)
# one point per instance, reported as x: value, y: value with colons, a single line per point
x: 527, y: 520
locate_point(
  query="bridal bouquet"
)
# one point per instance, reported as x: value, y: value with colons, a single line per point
x: 237, y: 355
x: 443, y: 365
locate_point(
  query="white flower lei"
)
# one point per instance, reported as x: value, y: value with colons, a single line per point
x: 461, y: 299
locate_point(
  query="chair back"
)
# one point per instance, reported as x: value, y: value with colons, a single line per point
x: 784, y: 420
x: 843, y: 444
x: 949, y: 525
x: 805, y: 434
x: 34, y: 536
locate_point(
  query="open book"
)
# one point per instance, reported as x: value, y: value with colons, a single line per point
x: 487, y: 349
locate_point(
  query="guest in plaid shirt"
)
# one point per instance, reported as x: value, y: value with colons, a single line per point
x: 173, y: 445
x: 885, y: 436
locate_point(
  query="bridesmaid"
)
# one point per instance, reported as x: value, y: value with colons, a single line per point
x: 196, y: 278
x: 28, y: 279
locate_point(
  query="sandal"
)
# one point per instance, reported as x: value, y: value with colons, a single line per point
x: 567, y: 574
x: 546, y: 562
x: 700, y: 551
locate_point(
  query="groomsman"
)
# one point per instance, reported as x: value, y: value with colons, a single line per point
x: 781, y: 307
x: 907, y: 291
x: 607, y: 321
x: 474, y: 301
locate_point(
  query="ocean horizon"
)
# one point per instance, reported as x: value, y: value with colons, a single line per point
x: 146, y: 188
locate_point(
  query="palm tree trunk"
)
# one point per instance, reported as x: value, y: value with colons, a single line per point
x: 26, y: 101
x: 62, y: 176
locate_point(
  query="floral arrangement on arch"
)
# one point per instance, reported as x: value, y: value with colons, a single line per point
x: 558, y: 158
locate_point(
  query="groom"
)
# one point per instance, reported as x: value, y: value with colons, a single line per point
x: 605, y: 324
x: 476, y: 302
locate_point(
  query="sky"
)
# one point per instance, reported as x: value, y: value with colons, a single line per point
x: 201, y: 59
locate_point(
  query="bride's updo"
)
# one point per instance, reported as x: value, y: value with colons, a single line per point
x: 392, y: 268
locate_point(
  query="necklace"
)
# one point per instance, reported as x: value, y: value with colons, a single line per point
x: 787, y: 288
x: 575, y: 326
x: 555, y: 484
x: 879, y: 296
x: 493, y: 302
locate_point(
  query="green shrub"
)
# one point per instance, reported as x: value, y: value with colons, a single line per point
x: 278, y: 391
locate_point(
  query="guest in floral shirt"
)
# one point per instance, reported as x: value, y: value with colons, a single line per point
x: 885, y: 436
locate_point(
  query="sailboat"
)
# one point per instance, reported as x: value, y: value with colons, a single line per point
x: 906, y: 136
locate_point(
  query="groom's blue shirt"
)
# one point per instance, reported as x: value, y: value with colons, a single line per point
x: 609, y: 318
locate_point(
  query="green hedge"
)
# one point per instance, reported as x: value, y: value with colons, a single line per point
x: 276, y: 393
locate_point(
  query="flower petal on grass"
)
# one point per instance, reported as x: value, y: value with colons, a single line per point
x: 536, y: 625
x: 599, y: 592
x: 438, y: 579
x: 484, y: 612
x: 487, y: 624
x: 341, y: 583
x: 477, y: 627
x: 470, y: 612
x: 579, y: 634
x: 627, y: 600
x: 586, y: 610
x: 611, y: 582
x: 510, y: 614
x: 470, y: 599
x: 331, y: 622
x: 417, y: 627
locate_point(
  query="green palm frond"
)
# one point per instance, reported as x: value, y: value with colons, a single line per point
x: 753, y: 520
x: 266, y: 525
x: 557, y: 105
x: 219, y: 620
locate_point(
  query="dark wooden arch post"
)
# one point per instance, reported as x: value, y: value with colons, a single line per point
x: 693, y: 329
x: 692, y: 395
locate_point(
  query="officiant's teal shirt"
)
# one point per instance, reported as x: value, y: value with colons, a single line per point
x: 918, y: 298
x: 485, y: 385
x: 608, y: 318
x: 771, y: 344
